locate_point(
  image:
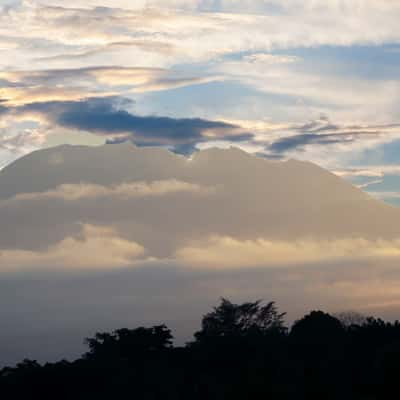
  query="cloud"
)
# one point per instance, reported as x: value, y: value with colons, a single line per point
x: 104, y: 116
x: 142, y: 78
x: 20, y: 96
x: 356, y: 172
x: 332, y: 141
x: 149, y: 45
x: 370, y: 183
x: 18, y: 142
x: 195, y: 35
x: 109, y: 116
x: 369, y: 171
x: 14, y: 145
x: 24, y: 87
x: 268, y: 59
x: 299, y: 141
x: 226, y: 252
x: 81, y: 191
x: 385, y: 195
x: 259, y: 6
x: 97, y: 247
x: 321, y: 91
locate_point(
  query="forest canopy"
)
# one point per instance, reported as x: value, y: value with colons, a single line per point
x: 241, y: 351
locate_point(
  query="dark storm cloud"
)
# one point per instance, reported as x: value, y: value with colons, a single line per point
x: 107, y: 116
x: 102, y: 116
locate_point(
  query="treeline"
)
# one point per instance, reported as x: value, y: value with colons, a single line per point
x: 242, y: 351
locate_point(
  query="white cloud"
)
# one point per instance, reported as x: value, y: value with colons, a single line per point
x: 367, y: 184
x: 266, y: 59
x: 348, y: 99
x: 79, y: 83
x: 385, y: 195
x: 227, y: 252
x: 14, y: 145
x: 369, y: 171
x: 82, y: 191
x: 204, y: 35
x: 96, y: 248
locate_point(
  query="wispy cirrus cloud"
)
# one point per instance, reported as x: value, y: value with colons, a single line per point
x: 331, y: 143
x: 369, y: 171
x: 21, y: 87
x: 202, y: 35
x: 330, y: 134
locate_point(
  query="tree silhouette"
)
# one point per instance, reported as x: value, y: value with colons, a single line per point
x: 129, y: 343
x: 351, y: 318
x: 243, y: 351
x: 229, y: 319
x: 317, y: 327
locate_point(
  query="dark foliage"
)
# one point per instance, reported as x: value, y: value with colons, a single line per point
x: 241, y: 352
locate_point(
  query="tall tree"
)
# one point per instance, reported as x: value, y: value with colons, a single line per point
x: 229, y: 319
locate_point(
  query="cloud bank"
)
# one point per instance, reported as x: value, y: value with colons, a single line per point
x: 96, y: 248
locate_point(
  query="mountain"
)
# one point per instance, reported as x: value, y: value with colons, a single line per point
x: 244, y: 196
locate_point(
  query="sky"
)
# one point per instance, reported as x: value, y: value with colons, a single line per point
x: 311, y: 80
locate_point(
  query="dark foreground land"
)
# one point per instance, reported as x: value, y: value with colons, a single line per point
x: 241, y: 352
